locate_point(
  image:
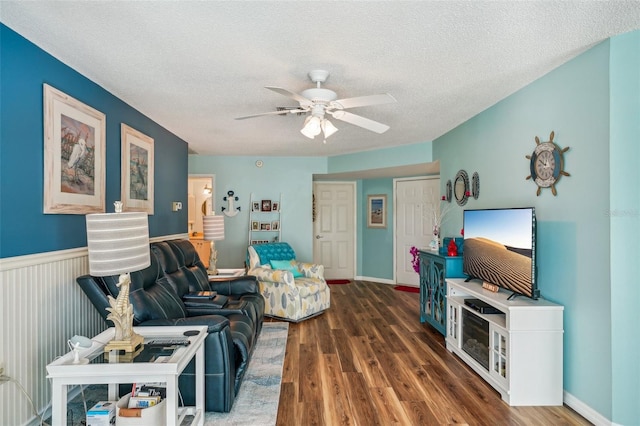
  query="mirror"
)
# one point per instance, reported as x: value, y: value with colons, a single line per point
x: 449, y: 190
x: 475, y: 185
x: 461, y: 188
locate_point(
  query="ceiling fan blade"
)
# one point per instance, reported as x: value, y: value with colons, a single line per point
x: 301, y: 99
x: 360, y: 121
x: 283, y: 112
x: 383, y: 98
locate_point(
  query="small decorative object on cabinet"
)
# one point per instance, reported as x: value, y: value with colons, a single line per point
x: 514, y: 345
x: 434, y: 268
x: 546, y: 164
x: 264, y: 220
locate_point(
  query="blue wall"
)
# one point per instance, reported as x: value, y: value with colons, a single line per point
x: 574, y: 226
x: 24, y: 229
x: 625, y: 225
x: 376, y: 244
x: 289, y: 177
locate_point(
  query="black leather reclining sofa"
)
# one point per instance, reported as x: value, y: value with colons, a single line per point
x: 234, y: 321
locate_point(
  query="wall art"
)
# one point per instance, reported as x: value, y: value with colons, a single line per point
x: 137, y: 170
x: 74, y: 155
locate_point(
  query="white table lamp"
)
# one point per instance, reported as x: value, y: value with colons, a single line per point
x: 213, y: 231
x: 119, y: 244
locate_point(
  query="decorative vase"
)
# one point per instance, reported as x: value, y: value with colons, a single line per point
x: 452, y: 249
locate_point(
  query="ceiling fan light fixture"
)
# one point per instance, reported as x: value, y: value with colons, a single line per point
x: 311, y: 127
x: 328, y: 128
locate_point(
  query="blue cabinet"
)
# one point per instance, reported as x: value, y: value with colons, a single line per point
x: 434, y: 268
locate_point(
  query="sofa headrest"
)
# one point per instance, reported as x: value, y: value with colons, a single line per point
x: 185, y: 252
x: 193, y: 268
x: 173, y: 269
x: 150, y: 293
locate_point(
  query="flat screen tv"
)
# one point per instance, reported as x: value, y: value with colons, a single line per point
x: 500, y: 248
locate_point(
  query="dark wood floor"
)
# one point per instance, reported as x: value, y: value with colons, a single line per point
x: 369, y: 361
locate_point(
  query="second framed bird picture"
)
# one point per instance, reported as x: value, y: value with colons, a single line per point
x: 137, y: 170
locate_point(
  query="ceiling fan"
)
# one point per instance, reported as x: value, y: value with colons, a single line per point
x: 319, y: 101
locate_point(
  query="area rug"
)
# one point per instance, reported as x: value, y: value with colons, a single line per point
x: 407, y: 288
x: 257, y: 399
x: 338, y: 281
x: 259, y: 394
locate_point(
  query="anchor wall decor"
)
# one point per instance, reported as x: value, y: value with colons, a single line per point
x: 231, y: 210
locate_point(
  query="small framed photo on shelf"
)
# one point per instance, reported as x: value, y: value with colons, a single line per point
x: 255, y: 207
x: 275, y: 206
x: 266, y: 205
x: 265, y: 226
x: 275, y: 225
x: 255, y: 225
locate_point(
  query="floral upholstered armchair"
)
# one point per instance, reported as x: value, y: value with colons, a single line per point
x: 292, y: 290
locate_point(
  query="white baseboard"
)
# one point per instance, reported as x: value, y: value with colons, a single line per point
x: 585, y: 411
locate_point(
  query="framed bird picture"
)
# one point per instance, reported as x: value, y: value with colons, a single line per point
x: 74, y: 155
x: 136, y: 190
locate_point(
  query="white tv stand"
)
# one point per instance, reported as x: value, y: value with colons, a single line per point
x: 518, y: 351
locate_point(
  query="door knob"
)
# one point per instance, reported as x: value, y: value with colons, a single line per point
x: 318, y: 237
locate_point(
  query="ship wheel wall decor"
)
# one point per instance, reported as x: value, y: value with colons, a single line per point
x: 546, y: 164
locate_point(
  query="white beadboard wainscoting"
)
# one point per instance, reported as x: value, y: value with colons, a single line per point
x: 41, y: 307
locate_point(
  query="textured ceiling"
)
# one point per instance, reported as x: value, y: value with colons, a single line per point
x: 195, y: 66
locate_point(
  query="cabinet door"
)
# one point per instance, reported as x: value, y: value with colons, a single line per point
x: 203, y: 248
x: 433, y: 291
x: 499, y: 355
x: 453, y: 323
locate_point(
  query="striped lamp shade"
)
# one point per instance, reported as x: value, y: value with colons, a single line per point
x: 118, y: 243
x: 213, y: 227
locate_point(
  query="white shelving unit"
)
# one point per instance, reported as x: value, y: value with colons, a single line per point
x: 517, y: 351
x: 265, y: 225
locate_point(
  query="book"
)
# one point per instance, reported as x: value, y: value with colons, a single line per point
x: 130, y: 412
x: 143, y: 401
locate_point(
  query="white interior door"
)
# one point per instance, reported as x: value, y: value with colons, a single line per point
x: 334, y: 228
x: 413, y: 197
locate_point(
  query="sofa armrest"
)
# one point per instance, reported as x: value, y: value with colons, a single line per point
x: 230, y: 286
x: 311, y: 270
x: 273, y: 275
x: 214, y: 323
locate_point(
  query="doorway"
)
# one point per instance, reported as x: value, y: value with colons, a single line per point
x: 414, y: 199
x: 334, y: 232
x: 200, y: 201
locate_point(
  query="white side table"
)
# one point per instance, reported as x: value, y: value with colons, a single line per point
x: 101, y: 370
x: 225, y: 273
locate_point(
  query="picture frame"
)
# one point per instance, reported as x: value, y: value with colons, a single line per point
x: 255, y: 225
x: 266, y: 205
x: 377, y: 211
x: 137, y: 174
x: 265, y: 226
x: 275, y: 225
x: 74, y: 155
x: 275, y: 206
x: 256, y: 206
